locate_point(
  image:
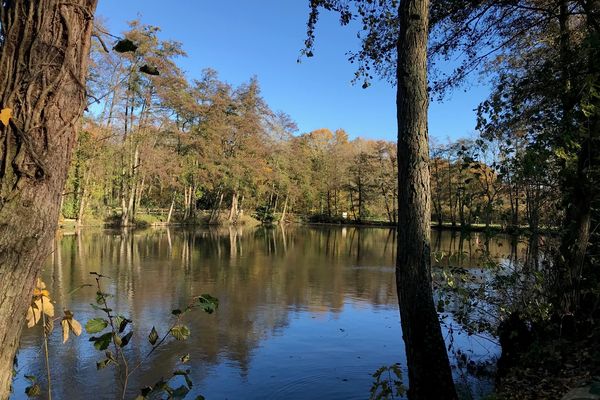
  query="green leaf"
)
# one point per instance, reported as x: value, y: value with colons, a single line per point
x: 33, y: 390
x: 208, y: 303
x: 153, y: 336
x: 102, y: 342
x: 101, y: 297
x: 96, y: 325
x: 121, y: 323
x: 180, y: 332
x: 125, y: 46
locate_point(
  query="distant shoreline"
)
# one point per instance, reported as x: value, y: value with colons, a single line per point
x: 493, y: 228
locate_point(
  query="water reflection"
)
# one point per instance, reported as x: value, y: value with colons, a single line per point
x: 304, y: 312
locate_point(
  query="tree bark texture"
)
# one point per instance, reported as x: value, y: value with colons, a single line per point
x: 44, y: 50
x: 429, y: 371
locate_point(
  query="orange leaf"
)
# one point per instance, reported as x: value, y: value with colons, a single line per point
x: 5, y: 115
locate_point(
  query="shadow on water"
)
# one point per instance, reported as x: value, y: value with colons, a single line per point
x: 304, y: 312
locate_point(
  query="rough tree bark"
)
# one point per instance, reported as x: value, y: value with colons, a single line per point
x: 44, y: 49
x: 429, y: 371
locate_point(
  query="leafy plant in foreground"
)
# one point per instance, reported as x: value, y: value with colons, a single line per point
x: 111, y: 334
x: 42, y: 309
x: 388, y: 383
x: 117, y: 330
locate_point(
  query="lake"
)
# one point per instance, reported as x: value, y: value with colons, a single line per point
x: 304, y: 313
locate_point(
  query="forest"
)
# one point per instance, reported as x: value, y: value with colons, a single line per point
x: 106, y: 129
x: 203, y: 152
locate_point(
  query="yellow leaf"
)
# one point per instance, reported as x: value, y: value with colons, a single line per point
x: 5, y: 115
x: 47, y: 307
x: 42, y: 292
x: 40, y: 284
x: 33, y: 316
x: 75, y: 326
x: 65, y: 328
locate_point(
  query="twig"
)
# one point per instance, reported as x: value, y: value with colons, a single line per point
x: 46, y: 350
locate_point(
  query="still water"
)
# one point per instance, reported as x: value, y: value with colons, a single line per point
x: 305, y: 313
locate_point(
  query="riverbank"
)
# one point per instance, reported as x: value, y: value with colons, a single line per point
x: 147, y: 220
x: 555, y: 368
x: 492, y: 228
x: 203, y: 219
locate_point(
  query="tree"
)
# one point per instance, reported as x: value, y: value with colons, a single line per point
x: 547, y: 53
x: 403, y: 26
x: 44, y: 47
x: 429, y: 371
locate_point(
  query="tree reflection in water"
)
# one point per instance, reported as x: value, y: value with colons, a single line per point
x: 304, y: 312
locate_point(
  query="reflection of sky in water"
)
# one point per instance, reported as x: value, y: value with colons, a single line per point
x: 304, y: 313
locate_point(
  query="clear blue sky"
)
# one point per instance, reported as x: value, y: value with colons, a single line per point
x: 241, y: 38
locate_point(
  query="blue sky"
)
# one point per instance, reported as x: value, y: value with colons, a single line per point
x: 263, y: 38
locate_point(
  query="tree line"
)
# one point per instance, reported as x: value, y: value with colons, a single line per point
x: 156, y: 140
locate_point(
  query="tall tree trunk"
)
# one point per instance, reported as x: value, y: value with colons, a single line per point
x: 360, y: 199
x: 140, y: 191
x: 192, y: 201
x: 429, y: 373
x: 285, y: 205
x: 171, y: 210
x: 186, y: 209
x: 335, y: 202
x: 233, y: 210
x: 123, y: 193
x: 452, y: 203
x: 215, y: 215
x: 133, y: 191
x: 352, y: 205
x: 386, y: 202
x: 84, y: 193
x: 43, y: 64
